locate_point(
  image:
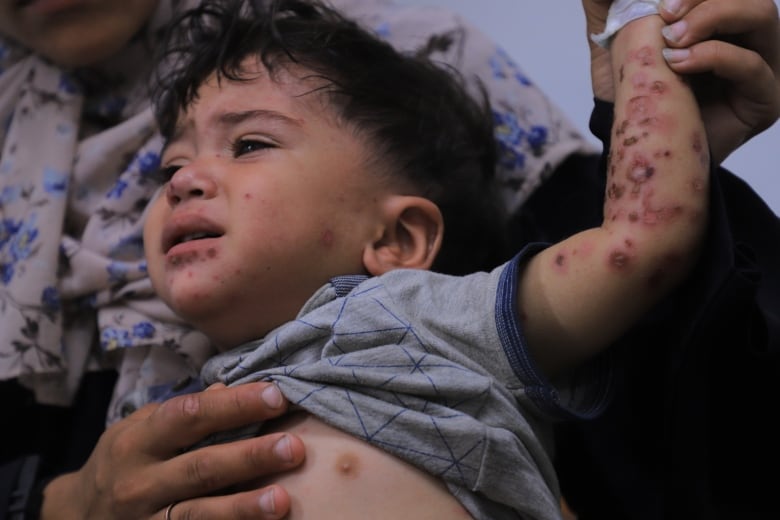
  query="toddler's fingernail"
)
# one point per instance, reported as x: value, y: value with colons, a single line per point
x: 676, y: 55
x: 272, y: 396
x: 267, y: 502
x: 282, y: 449
x: 671, y: 6
x: 675, y: 32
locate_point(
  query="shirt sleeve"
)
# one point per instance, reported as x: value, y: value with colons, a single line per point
x: 580, y: 395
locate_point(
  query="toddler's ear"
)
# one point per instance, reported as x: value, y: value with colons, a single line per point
x: 413, y: 231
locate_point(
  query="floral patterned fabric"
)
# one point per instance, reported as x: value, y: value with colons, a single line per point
x: 78, y: 153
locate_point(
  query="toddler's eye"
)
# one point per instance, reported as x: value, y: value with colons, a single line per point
x: 244, y: 146
x: 164, y: 173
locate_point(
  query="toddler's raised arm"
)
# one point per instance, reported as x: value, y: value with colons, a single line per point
x: 581, y: 294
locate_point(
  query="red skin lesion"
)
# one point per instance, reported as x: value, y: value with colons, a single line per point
x: 641, y: 170
x: 649, y: 121
x: 619, y: 260
x: 639, y: 80
x: 348, y: 466
x: 327, y: 239
x: 658, y: 87
x: 616, y: 191
x: 645, y: 56
x: 560, y: 262
x: 622, y: 128
x: 630, y: 141
x: 641, y: 107
x: 653, y: 216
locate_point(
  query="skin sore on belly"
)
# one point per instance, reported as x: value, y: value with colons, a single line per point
x: 346, y: 478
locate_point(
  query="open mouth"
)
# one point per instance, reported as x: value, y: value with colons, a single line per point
x: 189, y: 237
x: 196, y: 236
x: 183, y: 233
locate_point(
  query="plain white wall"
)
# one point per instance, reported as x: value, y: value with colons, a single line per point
x: 547, y: 39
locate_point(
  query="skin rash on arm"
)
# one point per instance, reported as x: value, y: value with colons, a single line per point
x: 580, y: 295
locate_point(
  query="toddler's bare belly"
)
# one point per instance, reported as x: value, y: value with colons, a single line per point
x: 345, y: 478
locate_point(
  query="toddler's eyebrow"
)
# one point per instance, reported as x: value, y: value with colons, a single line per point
x: 227, y: 119
x: 233, y: 118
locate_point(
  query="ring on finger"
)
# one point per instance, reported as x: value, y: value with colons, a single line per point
x: 168, y: 510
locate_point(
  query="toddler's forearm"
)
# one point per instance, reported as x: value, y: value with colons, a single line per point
x: 581, y: 294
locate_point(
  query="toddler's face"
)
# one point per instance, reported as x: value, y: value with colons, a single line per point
x: 74, y: 32
x: 268, y: 199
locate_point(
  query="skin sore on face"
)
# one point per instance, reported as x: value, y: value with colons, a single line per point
x: 193, y: 257
x: 327, y: 239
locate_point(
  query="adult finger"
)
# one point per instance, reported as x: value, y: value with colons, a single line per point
x: 755, y: 22
x: 185, y: 420
x: 268, y: 503
x: 673, y: 10
x: 216, y: 467
x: 208, y: 470
x: 749, y: 77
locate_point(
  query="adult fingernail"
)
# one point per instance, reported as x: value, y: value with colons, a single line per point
x: 676, y: 55
x: 282, y: 449
x: 675, y: 32
x: 272, y: 396
x: 268, y: 502
x: 671, y: 6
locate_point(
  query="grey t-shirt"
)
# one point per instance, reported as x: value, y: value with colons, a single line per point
x: 433, y: 369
